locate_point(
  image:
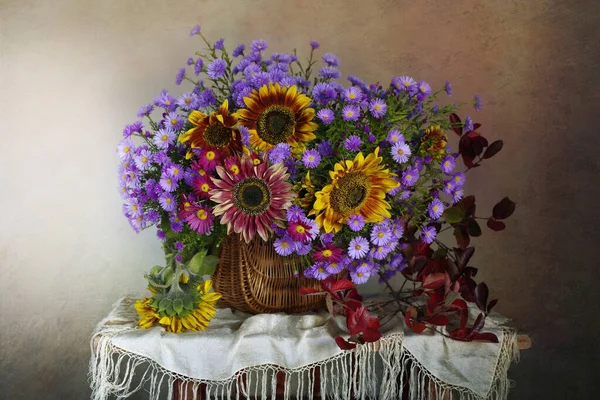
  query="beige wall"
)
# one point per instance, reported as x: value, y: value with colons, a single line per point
x: 74, y: 72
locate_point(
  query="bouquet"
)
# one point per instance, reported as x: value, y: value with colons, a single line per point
x: 355, y: 180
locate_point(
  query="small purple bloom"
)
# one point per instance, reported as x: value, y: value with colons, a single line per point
x: 167, y: 183
x: 331, y: 59
x: 359, y: 277
x: 397, y: 262
x: 195, y: 30
x: 206, y: 99
x: 358, y: 247
x: 353, y: 143
x: 132, y: 128
x: 180, y: 76
x: 160, y: 157
x: 327, y: 238
x: 394, y: 136
x: 145, y: 110
x: 356, y: 222
x: 377, y: 107
x: 448, y: 88
x: 457, y: 195
x: 190, y: 61
x: 167, y: 202
x: 435, y: 209
x: 468, y: 124
x: 400, y: 152
x: 405, y: 83
x: 314, y: 45
x: 179, y: 246
x: 219, y: 44
x: 324, y: 92
x: 325, y: 149
x: 477, y: 105
x: 350, y: 113
x: 126, y: 149
x: 353, y: 95
x: 176, y: 172
x: 239, y: 50
x: 381, y: 235
x: 161, y: 235
x: 458, y: 179
x: 294, y: 213
x: 142, y: 160
x: 330, y: 73
x: 164, y: 137
x: 216, y: 68
x: 178, y: 258
x: 428, y: 234
x: 198, y: 66
x: 258, y: 45
x: 448, y: 164
x: 380, y: 252
x: 174, y: 121
x: 371, y: 138
x: 284, y: 246
x: 303, y: 249
x: 165, y: 100
x: 311, y: 159
x: 188, y: 101
x: 410, y: 177
x: 280, y: 153
x: 424, y: 88
x: 335, y: 267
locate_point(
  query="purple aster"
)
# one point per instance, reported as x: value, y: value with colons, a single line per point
x: 448, y: 164
x: 178, y: 258
x: 353, y: 95
x: 174, y: 121
x: 428, y: 234
x: 448, y: 88
x: 468, y: 124
x: 294, y: 213
x: 325, y: 149
x: 180, y: 76
x: 324, y: 92
x: 387, y: 275
x: 380, y: 252
x: 167, y: 183
x: 142, y: 160
x: 195, y: 30
x: 350, y: 113
x: 377, y: 107
x: 395, y: 136
x: 176, y: 172
x: 364, y: 266
x: 477, y: 100
x: 448, y: 187
x: 206, y: 99
x: 435, y: 209
x: 371, y: 138
x: 216, y: 68
x: 164, y: 137
x: 418, y: 163
x: 457, y: 195
x: 190, y: 61
x: 314, y: 45
x: 145, y: 110
x: 245, y: 135
x: 132, y: 128
x: 198, y: 66
x: 327, y: 238
x: 400, y: 152
x: 458, y: 179
x: 311, y: 159
x: 356, y: 222
x: 435, y: 109
x: 353, y: 143
x: 397, y: 262
x: 280, y: 153
x: 424, y: 88
x: 284, y: 246
x: 239, y: 50
x: 359, y: 277
x: 188, y: 101
x: 405, y: 83
x: 161, y: 235
x: 176, y: 226
x: 165, y: 100
x: 167, y: 202
x: 219, y: 44
x: 358, y: 247
x: 410, y: 177
x: 335, y: 267
x: 405, y: 194
x: 303, y: 249
x: 331, y: 59
x: 260, y: 79
x: 133, y: 207
x: 330, y: 73
x: 160, y: 157
x: 326, y: 115
x: 381, y: 235
x: 252, y: 70
x: 427, y: 159
x: 179, y: 246
x: 258, y: 45
x: 126, y: 149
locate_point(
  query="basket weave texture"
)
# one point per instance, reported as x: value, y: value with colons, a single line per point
x: 253, y: 278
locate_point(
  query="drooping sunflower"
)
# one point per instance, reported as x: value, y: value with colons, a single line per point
x: 433, y: 142
x: 357, y: 187
x: 217, y: 131
x: 250, y: 201
x: 191, y: 313
x: 276, y: 114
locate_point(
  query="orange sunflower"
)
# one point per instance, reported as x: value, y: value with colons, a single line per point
x: 276, y: 114
x: 217, y: 130
x: 357, y: 187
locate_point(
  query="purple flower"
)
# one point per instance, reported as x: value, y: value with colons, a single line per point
x: 324, y: 92
x: 132, y: 128
x: 195, y: 30
x: 219, y: 44
x: 161, y: 235
x: 457, y: 195
x: 176, y: 172
x: 145, y: 110
x: 397, y: 229
x: 335, y: 267
x: 164, y: 137
x: 188, y: 101
x: 435, y: 109
x: 395, y: 137
x: 327, y: 238
x: 314, y: 45
x: 284, y: 246
x: 317, y: 271
x: 179, y: 246
x: 330, y: 73
x: 165, y: 100
x: 405, y: 83
x: 190, y: 61
x: 353, y: 95
x: 311, y: 159
x: 206, y: 99
x: 400, y: 152
x: 371, y: 138
x: 428, y: 234
x: 405, y: 194
x: 458, y: 179
x: 397, y: 262
x: 126, y: 149
x: 167, y: 183
x: 381, y: 235
x: 294, y: 213
x: 377, y: 107
x: 353, y: 143
x: 358, y: 247
x: 468, y: 124
x: 331, y: 59
x: 380, y: 252
x: 448, y: 88
x: 133, y: 207
x: 280, y: 153
x: 180, y: 76
x: 326, y: 115
x: 153, y: 216
x: 350, y: 113
x: 410, y: 177
x: 325, y: 149
x: 142, y: 160
x: 260, y: 79
x: 239, y: 50
x: 448, y: 186
x: 198, y: 66
x: 178, y: 258
x: 477, y: 100
x: 216, y: 68
x: 258, y: 45
x: 251, y: 70
x: 424, y: 88
x: 448, y: 164
x: 245, y: 136
x: 435, y: 209
x: 174, y: 121
x: 176, y: 226
x: 160, y: 157
x: 356, y: 222
x: 359, y: 277
x: 167, y: 202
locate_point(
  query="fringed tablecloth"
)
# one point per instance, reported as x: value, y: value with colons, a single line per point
x: 245, y: 356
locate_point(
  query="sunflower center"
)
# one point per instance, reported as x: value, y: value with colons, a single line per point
x: 217, y: 135
x: 275, y: 124
x: 351, y: 193
x: 252, y: 196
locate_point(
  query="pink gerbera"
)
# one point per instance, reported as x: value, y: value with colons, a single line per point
x: 202, y: 185
x: 330, y: 253
x: 252, y: 201
x: 200, y: 218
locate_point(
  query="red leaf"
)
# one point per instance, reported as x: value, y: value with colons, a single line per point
x: 456, y: 124
x: 463, y: 256
x: 491, y: 305
x: 479, y: 323
x: 481, y: 296
x: 485, y: 337
x: 353, y: 294
x: 371, y: 335
x: 418, y: 327
x: 342, y: 284
x: 493, y: 149
x: 495, y: 225
x: 504, y: 209
x: 353, y: 304
x: 476, y: 126
x: 461, y: 306
x: 357, y: 320
x: 434, y: 281
x: 462, y: 237
x: 473, y: 228
x: 440, y: 320
x: 344, y: 344
x: 309, y: 291
x: 326, y: 284
x: 461, y: 333
x: 374, y: 323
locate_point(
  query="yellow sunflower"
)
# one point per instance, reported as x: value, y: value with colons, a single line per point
x: 306, y: 191
x: 276, y: 114
x: 194, y: 319
x: 217, y: 130
x: 357, y: 187
x: 433, y: 143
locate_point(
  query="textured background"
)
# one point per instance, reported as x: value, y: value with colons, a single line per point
x: 74, y: 72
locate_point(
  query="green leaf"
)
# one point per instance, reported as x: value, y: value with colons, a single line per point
x: 188, y: 303
x: 165, y: 226
x: 454, y: 214
x: 209, y: 265
x: 156, y: 270
x: 195, y: 264
x: 168, y: 275
x: 170, y: 311
x: 164, y: 304
x: 178, y: 305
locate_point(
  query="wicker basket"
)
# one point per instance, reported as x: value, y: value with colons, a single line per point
x: 254, y: 279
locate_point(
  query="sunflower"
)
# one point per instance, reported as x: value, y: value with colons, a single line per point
x: 357, y: 187
x: 250, y: 201
x: 217, y: 131
x: 306, y: 191
x: 433, y: 143
x: 185, y: 316
x: 276, y: 114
